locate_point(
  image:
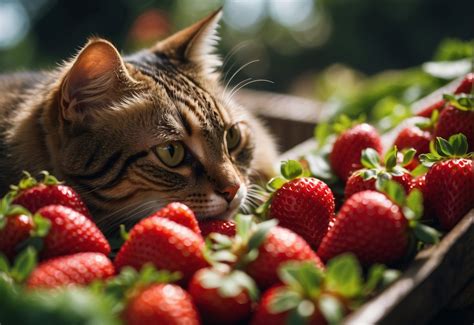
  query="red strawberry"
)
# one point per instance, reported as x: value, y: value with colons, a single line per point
x: 467, y: 85
x: 374, y: 174
x: 71, y: 232
x: 16, y: 229
x: 456, y: 119
x: 281, y: 245
x: 78, y: 269
x: 33, y: 195
x: 215, y: 305
x: 164, y: 243
x: 414, y: 137
x: 305, y: 206
x: 224, y: 227
x: 374, y: 228
x: 449, y: 187
x: 346, y: 152
x: 179, y: 213
x: 164, y: 304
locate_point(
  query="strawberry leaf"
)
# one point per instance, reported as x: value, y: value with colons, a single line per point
x: 24, y: 264
x: 391, y: 158
x: 344, y: 275
x: 275, y: 183
x: 419, y: 170
x: 408, y: 156
x: 4, y: 265
x: 291, y: 169
x: 374, y: 278
x: 302, y: 277
x: 321, y: 133
x: 389, y: 276
x: 124, y: 234
x: 443, y: 147
x: 243, y: 225
x: 369, y: 174
x: 459, y: 144
x: 414, y: 202
x: 42, y: 226
x: 49, y: 179
x: 426, y: 234
x: 331, y: 309
x: 259, y: 236
x: 284, y: 300
x: 370, y: 158
x: 246, y: 283
x: 394, y: 191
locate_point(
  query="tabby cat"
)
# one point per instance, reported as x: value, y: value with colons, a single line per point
x: 133, y: 133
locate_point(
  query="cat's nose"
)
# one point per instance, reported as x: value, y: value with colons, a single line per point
x: 230, y: 192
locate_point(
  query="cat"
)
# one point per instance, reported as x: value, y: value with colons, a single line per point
x: 133, y: 133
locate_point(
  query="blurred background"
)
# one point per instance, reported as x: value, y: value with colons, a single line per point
x: 362, y: 56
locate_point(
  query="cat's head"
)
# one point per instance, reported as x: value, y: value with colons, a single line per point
x: 136, y: 132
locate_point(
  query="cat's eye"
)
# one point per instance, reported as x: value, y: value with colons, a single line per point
x: 233, y: 137
x: 171, y: 154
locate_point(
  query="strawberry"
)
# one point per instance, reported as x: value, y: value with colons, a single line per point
x: 428, y: 111
x: 346, y: 152
x: 374, y: 228
x: 374, y: 174
x: 33, y: 195
x: 71, y: 232
x: 179, y: 213
x: 457, y: 117
x: 281, y: 245
x: 164, y: 243
x: 309, y: 296
x: 78, y: 269
x: 420, y: 184
x: 16, y: 225
x: 259, y: 249
x: 164, y: 304
x: 225, y: 227
x: 305, y: 206
x: 467, y: 85
x: 414, y: 137
x: 217, y: 292
x: 449, y: 187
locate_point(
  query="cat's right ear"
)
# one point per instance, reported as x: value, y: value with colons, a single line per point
x: 95, y: 79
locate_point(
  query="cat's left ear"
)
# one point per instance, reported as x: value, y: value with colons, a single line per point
x: 194, y: 44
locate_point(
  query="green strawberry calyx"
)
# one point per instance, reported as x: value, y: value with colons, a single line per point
x: 8, y: 209
x: 29, y: 181
x: 373, y: 169
x: 335, y: 291
x: 22, y: 267
x: 463, y: 102
x: 428, y: 124
x: 441, y: 149
x: 412, y: 209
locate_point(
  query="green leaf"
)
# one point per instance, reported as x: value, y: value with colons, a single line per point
x: 344, y: 275
x: 331, y: 309
x: 42, y: 225
x: 391, y: 158
x: 374, y: 278
x: 419, y: 170
x: 15, y: 210
x: 321, y: 133
x: 390, y: 276
x: 284, y: 300
x: 368, y: 174
x: 259, y: 236
x: 291, y: 169
x: 224, y: 256
x: 426, y: 234
x: 408, y: 156
x: 381, y: 179
x: 246, y: 283
x: 302, y: 276
x: 4, y: 265
x: 414, y: 202
x: 370, y: 158
x: 443, y: 147
x: 243, y: 225
x: 395, y: 192
x: 276, y: 182
x: 306, y: 308
x: 459, y: 144
x: 262, y: 209
x: 24, y: 264
x: 124, y: 234
x: 424, y: 123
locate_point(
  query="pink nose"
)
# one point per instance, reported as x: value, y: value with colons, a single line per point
x: 230, y: 192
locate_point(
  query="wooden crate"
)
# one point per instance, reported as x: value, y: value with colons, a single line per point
x: 440, y: 278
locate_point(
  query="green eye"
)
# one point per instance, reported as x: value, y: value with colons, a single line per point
x: 233, y: 137
x: 171, y: 154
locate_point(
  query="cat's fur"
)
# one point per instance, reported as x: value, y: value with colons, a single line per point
x: 96, y: 122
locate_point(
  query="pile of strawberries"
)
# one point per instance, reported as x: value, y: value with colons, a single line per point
x: 296, y: 259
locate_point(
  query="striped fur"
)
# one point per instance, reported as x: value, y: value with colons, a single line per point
x: 97, y: 120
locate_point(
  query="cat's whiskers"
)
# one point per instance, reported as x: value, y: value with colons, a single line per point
x: 231, y: 53
x: 239, y: 87
x: 236, y: 72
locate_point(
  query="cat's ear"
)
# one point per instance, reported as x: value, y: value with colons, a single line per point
x: 95, y: 78
x: 195, y: 44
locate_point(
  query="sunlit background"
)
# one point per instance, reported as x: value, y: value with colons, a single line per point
x: 363, y: 55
